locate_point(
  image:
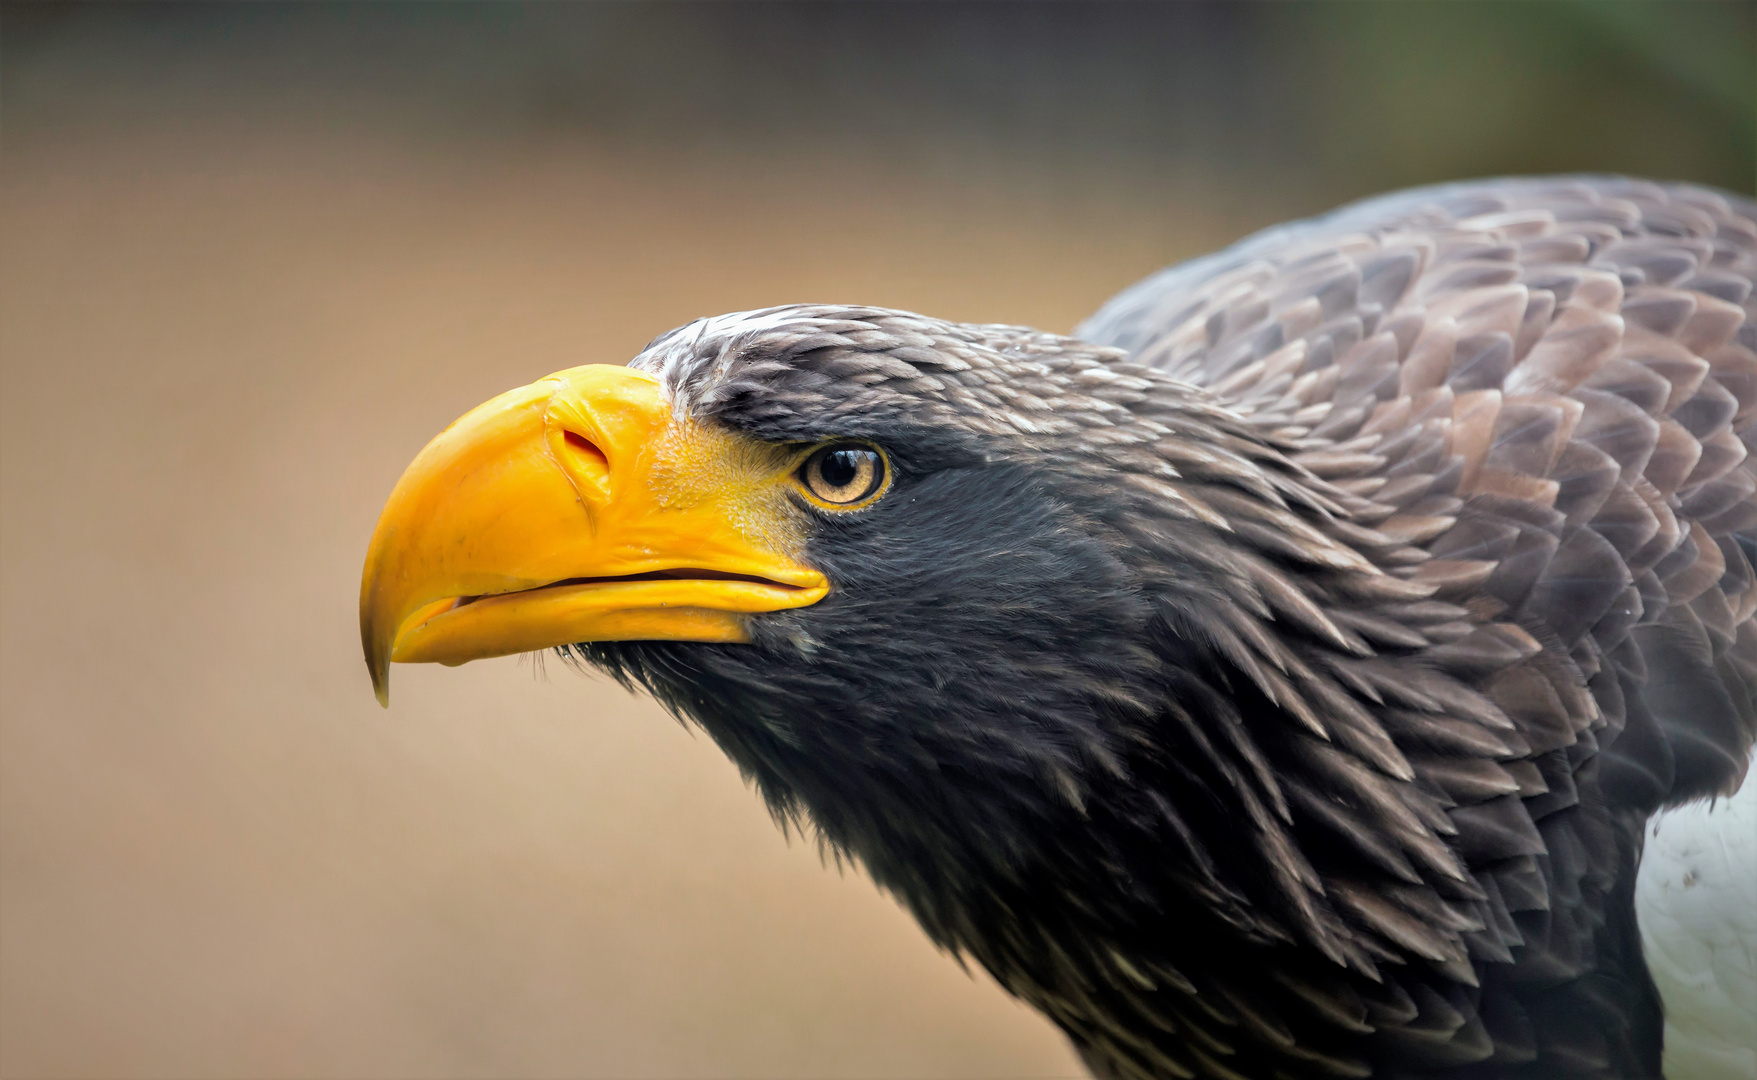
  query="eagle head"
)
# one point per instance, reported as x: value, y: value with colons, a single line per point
x: 930, y: 585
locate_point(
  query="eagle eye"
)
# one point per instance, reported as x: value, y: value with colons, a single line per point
x: 844, y: 475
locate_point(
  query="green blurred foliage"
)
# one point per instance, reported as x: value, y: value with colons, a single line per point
x: 1413, y: 92
x: 1327, y: 101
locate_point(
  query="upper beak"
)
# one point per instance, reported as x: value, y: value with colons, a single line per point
x: 506, y: 534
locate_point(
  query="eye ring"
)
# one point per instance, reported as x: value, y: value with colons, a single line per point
x: 844, y: 475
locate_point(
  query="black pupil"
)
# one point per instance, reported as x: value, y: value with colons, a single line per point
x: 840, y: 467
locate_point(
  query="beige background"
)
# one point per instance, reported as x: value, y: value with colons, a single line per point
x: 238, y: 291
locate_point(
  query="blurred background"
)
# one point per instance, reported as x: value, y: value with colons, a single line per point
x: 252, y: 257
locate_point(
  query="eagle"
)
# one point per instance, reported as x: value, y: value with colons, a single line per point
x: 1276, y: 678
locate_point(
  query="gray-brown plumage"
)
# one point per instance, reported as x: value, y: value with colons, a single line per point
x: 1274, y: 679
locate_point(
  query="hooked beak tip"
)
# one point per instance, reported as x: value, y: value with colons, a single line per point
x: 378, y: 667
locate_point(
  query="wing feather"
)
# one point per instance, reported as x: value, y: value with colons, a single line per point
x: 1541, y: 398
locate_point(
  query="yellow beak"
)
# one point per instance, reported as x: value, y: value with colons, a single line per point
x: 546, y: 517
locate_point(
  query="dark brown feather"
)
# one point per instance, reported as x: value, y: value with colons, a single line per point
x: 1601, y: 487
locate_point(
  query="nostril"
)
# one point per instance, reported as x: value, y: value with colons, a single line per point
x: 586, y: 461
x: 583, y: 446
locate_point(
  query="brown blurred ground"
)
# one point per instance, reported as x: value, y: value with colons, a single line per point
x: 250, y: 263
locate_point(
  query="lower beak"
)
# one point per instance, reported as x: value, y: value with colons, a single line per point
x: 534, y: 522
